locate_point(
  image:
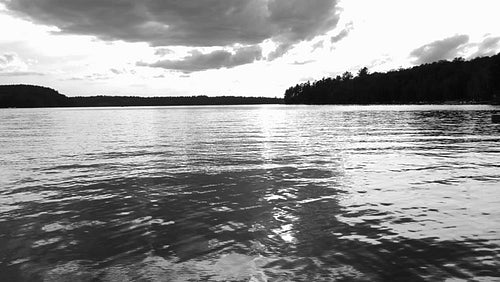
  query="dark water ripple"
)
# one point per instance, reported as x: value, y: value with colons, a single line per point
x: 250, y: 193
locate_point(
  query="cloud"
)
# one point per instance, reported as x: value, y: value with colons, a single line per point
x: 343, y: 33
x: 318, y: 44
x: 116, y: 71
x: 91, y: 77
x: 303, y: 62
x: 340, y: 36
x: 21, y: 73
x: 11, y: 62
x: 198, y: 61
x: 6, y: 59
x: 489, y: 47
x: 12, y: 65
x: 163, y: 52
x: 444, y: 49
x: 187, y: 22
x: 280, y: 50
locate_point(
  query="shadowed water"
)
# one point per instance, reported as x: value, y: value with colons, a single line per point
x: 250, y: 193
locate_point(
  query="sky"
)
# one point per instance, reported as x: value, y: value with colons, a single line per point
x: 230, y: 47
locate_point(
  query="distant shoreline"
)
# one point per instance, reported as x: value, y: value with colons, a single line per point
x: 32, y: 96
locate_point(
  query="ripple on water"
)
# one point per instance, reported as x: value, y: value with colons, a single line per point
x: 321, y: 193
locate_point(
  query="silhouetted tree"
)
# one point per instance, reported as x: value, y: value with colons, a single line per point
x: 494, y: 73
x: 477, y: 80
x: 347, y: 76
x: 363, y: 72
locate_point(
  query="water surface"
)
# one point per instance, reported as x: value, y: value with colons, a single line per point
x: 250, y: 193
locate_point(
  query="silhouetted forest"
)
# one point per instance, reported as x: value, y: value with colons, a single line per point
x: 111, y: 101
x: 30, y: 96
x: 458, y: 81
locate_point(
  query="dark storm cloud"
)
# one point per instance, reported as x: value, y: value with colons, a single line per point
x: 186, y: 22
x: 198, y: 61
x: 445, y: 49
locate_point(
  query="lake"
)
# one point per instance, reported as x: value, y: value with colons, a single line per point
x: 250, y: 193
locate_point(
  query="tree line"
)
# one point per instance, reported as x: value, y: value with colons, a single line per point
x: 460, y: 81
x: 32, y: 96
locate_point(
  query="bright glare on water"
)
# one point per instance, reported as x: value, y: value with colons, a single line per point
x: 250, y: 193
